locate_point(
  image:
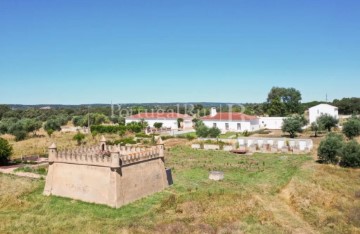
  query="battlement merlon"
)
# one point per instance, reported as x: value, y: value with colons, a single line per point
x: 106, y: 156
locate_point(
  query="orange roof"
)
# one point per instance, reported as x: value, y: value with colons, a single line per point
x: 160, y: 115
x: 229, y: 116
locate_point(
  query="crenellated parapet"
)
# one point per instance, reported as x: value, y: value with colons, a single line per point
x: 105, y: 155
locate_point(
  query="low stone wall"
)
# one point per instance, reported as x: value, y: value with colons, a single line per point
x: 263, y: 145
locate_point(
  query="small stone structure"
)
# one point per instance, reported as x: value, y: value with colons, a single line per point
x: 216, y: 175
x: 109, y: 175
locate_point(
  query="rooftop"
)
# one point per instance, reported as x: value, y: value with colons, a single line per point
x: 229, y: 116
x: 157, y: 115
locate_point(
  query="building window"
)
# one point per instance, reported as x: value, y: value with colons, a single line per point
x: 214, y: 125
x: 227, y: 126
x: 239, y: 126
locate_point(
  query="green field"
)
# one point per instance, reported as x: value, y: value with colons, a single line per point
x: 260, y: 193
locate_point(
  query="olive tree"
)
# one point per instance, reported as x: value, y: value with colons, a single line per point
x: 328, y: 121
x: 350, y: 154
x: 293, y: 125
x: 351, y: 128
x: 330, y: 148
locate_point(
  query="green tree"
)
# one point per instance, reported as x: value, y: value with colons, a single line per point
x: 315, y: 127
x: 158, y: 125
x: 19, y: 135
x: 3, y: 110
x: 201, y: 129
x: 293, y: 125
x: 51, y: 126
x: 330, y: 148
x: 284, y: 101
x: 134, y: 127
x: 350, y: 154
x: 179, y: 121
x: 351, y: 127
x: 214, y: 132
x: 31, y: 125
x: 79, y: 137
x: 5, y: 151
x: 327, y: 121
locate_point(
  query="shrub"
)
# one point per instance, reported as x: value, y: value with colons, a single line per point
x: 5, y: 151
x: 350, y: 154
x: 190, y: 137
x: 315, y: 127
x: 79, y: 137
x: 52, y: 125
x: 293, y: 125
x: 330, y: 148
x: 142, y: 135
x: 108, y: 129
x: 246, y: 133
x: 135, y: 127
x: 327, y: 121
x: 214, y: 132
x: 158, y: 125
x: 19, y: 135
x: 203, y: 131
x: 351, y: 128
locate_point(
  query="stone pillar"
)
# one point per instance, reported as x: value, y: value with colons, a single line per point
x: 115, y: 159
x: 160, y: 146
x: 49, y: 178
x: 103, y: 143
x: 52, y: 152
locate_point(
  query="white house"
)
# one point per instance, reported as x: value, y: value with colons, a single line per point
x: 322, y: 109
x: 231, y: 121
x: 273, y: 123
x: 168, y: 119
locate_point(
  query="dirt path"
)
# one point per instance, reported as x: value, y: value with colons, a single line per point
x: 11, y: 171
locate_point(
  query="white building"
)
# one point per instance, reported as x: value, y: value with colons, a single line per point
x: 272, y: 123
x: 168, y: 119
x: 231, y: 121
x: 322, y: 109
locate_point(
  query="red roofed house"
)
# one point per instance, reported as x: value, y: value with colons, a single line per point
x: 169, y: 119
x: 231, y: 121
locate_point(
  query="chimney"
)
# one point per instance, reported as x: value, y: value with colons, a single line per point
x: 213, y: 112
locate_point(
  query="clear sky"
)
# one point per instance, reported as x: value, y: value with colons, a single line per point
x: 74, y: 52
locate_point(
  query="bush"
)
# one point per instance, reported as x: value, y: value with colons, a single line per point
x: 350, y: 154
x: 203, y: 131
x: 158, y: 125
x: 142, y: 135
x: 327, y: 121
x: 214, y: 132
x: 107, y: 129
x: 351, y: 128
x: 52, y: 125
x: 293, y: 125
x: 5, y: 151
x: 330, y: 148
x: 19, y: 135
x: 135, y: 127
x: 79, y: 137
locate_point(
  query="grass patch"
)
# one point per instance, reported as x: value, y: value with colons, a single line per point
x: 247, y: 200
x: 39, y: 170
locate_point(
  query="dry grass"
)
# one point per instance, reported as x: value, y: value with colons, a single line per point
x: 260, y: 194
x: 39, y: 144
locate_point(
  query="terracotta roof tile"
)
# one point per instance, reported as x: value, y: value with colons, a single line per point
x: 229, y: 116
x: 156, y: 115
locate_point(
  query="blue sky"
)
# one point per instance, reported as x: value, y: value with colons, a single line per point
x: 73, y: 52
